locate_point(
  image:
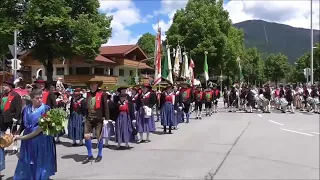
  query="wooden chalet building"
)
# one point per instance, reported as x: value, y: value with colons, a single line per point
x: 115, y: 65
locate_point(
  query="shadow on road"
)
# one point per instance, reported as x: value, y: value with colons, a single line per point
x: 65, y: 144
x: 157, y: 132
x: 75, y: 157
x: 116, y: 148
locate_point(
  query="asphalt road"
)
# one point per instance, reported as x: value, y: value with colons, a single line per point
x: 223, y: 146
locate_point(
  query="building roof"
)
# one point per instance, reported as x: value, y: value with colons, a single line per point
x: 103, y: 59
x: 120, y: 50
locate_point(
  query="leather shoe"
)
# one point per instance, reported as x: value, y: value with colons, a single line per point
x: 87, y: 160
x: 98, y: 159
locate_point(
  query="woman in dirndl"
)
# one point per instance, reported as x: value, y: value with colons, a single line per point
x: 78, y: 111
x: 145, y: 118
x: 124, y: 130
x: 37, y: 159
x: 178, y: 103
x: 108, y: 127
x: 168, y: 109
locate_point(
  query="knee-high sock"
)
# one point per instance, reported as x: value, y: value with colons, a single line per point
x: 100, y: 147
x: 89, y: 146
x: 106, y: 141
x: 188, y: 115
x: 141, y: 136
x: 148, y: 136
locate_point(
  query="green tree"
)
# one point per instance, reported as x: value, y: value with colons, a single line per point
x: 56, y: 29
x: 304, y: 62
x: 10, y: 13
x: 253, y: 66
x: 205, y: 26
x: 146, y: 42
x: 276, y: 67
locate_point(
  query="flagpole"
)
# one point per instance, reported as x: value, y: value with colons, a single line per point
x: 205, y: 53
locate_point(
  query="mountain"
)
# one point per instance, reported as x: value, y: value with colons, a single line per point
x: 271, y: 37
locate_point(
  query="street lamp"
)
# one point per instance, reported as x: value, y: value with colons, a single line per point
x: 137, y: 77
x: 311, y: 64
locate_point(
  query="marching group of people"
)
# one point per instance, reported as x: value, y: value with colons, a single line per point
x: 283, y: 98
x: 128, y: 115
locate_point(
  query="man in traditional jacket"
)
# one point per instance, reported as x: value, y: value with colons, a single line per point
x: 98, y: 112
x: 216, y: 97
x: 187, y: 98
x: 199, y: 99
x: 208, y: 98
x: 11, y: 107
x: 48, y: 96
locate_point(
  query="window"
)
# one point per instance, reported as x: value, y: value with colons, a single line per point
x: 131, y: 72
x: 99, y: 71
x: 70, y: 71
x: 60, y: 71
x: 111, y: 72
x: 121, y: 72
x: 82, y: 71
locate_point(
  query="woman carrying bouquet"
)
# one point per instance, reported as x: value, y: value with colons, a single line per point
x: 37, y: 158
x: 78, y: 111
x: 124, y: 130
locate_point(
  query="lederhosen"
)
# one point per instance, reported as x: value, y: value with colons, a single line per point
x: 186, y: 97
x: 96, y: 112
x: 289, y: 96
x: 198, y: 100
x: 267, y: 94
x: 216, y: 96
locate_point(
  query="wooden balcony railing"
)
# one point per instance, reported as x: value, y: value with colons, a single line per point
x: 82, y: 79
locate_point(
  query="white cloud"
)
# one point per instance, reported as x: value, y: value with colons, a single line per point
x: 164, y: 27
x: 125, y: 14
x: 169, y: 8
x: 291, y: 12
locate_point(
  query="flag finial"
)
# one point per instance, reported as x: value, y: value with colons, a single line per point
x: 206, y: 52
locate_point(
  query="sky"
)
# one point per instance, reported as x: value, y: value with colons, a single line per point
x: 133, y: 18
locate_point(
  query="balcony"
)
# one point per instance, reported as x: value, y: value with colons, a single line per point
x: 128, y: 63
x: 82, y: 79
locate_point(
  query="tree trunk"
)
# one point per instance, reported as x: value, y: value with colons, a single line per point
x: 49, y: 69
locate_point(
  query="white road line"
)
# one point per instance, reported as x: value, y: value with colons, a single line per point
x: 259, y: 115
x: 297, y: 132
x: 315, y: 133
x: 276, y: 123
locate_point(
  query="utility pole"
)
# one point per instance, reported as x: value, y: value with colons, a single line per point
x: 15, y: 63
x: 3, y: 69
x: 311, y: 64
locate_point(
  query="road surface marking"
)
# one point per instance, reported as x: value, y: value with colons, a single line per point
x: 297, y: 132
x: 276, y: 123
x: 259, y: 115
x: 315, y: 133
